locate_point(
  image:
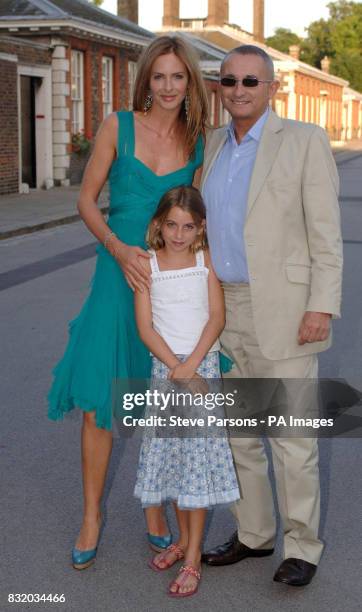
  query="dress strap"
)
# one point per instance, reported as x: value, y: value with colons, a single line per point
x: 125, y: 133
x: 200, y: 259
x: 153, y: 261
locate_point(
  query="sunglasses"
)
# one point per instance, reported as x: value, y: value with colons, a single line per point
x: 248, y: 81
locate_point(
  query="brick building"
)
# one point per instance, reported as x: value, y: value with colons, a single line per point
x: 64, y: 65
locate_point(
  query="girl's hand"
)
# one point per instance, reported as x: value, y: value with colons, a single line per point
x: 183, y: 371
x: 128, y: 258
x: 197, y: 384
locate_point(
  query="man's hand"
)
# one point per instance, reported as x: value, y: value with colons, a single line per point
x: 315, y: 327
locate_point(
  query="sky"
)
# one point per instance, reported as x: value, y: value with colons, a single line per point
x: 292, y: 14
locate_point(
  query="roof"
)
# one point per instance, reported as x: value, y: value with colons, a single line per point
x: 60, y: 10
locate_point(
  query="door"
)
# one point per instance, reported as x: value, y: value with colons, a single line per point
x: 28, y: 149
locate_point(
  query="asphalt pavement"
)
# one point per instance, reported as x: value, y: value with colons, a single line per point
x: 44, y: 278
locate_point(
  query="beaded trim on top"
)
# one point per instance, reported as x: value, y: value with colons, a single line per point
x: 181, y: 274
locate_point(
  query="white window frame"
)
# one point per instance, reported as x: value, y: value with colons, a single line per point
x: 132, y: 71
x: 212, y: 108
x: 77, y: 91
x: 107, y: 85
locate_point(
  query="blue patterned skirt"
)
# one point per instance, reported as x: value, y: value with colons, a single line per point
x: 194, y: 472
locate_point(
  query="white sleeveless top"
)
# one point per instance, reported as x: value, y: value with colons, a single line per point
x: 180, y: 304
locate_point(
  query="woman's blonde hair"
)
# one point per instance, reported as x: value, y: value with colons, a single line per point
x: 198, y: 112
x: 189, y: 200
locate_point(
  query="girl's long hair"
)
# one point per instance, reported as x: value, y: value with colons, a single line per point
x: 189, y: 200
x: 198, y: 107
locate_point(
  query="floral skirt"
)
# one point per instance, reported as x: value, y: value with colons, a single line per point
x: 194, y: 472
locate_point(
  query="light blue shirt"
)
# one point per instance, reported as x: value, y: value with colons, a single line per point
x: 226, y: 195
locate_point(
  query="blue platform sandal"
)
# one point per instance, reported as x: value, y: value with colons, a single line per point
x: 159, y: 543
x: 81, y: 559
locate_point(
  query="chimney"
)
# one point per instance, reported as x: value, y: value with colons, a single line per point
x: 171, y: 14
x: 218, y: 12
x: 294, y: 51
x: 325, y: 63
x: 258, y: 19
x: 128, y: 9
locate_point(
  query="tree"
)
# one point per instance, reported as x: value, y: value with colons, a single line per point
x: 96, y: 2
x: 282, y: 39
x: 340, y: 38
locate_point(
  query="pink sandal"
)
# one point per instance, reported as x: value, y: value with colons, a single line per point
x: 187, y: 570
x: 175, y: 548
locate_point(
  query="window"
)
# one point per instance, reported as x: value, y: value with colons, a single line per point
x: 77, y: 67
x: 132, y: 70
x: 107, y: 85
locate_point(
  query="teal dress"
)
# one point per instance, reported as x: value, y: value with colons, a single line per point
x: 103, y: 340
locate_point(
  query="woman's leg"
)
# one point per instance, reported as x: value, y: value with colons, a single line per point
x: 164, y: 559
x: 196, y: 524
x: 155, y: 520
x: 96, y: 452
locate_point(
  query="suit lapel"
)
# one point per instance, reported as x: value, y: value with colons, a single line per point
x: 267, y: 151
x: 212, y: 151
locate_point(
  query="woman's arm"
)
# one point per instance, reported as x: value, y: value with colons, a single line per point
x: 212, y: 329
x: 95, y: 176
x: 158, y: 347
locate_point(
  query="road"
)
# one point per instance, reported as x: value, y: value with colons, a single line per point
x: 44, y: 278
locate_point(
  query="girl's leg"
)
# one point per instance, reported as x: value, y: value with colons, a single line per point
x: 96, y: 452
x: 165, y: 559
x: 196, y: 524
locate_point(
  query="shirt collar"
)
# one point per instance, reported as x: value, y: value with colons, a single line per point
x: 255, y: 131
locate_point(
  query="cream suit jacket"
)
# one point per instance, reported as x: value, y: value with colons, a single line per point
x: 292, y: 232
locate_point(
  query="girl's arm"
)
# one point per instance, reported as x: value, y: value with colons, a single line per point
x: 212, y: 329
x: 158, y: 347
x: 95, y: 176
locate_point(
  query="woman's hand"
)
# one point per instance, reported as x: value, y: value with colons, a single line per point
x: 128, y: 258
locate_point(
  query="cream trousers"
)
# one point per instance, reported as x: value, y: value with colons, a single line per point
x: 295, y: 460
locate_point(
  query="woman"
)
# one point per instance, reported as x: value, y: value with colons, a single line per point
x: 144, y: 153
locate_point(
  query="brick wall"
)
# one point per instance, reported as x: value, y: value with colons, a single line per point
x: 9, y: 152
x: 25, y: 50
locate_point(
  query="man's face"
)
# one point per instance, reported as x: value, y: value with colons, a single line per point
x: 247, y: 102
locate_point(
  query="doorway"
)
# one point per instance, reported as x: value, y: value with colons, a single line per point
x: 28, y: 86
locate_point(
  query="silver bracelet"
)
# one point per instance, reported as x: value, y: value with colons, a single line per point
x: 107, y: 237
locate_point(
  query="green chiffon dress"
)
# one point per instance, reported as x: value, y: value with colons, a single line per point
x: 103, y: 340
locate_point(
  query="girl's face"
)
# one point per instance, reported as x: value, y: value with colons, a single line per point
x: 179, y: 230
x: 168, y: 81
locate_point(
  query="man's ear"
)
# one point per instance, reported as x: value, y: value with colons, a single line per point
x: 274, y: 86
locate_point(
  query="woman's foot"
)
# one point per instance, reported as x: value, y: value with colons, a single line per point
x: 187, y: 581
x: 156, y: 521
x: 168, y: 557
x: 89, y: 533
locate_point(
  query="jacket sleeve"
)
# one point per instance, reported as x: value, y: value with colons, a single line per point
x: 320, y: 185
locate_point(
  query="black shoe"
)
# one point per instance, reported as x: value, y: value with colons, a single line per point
x: 232, y: 552
x: 295, y: 572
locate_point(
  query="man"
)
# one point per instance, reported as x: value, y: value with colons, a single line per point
x: 270, y: 187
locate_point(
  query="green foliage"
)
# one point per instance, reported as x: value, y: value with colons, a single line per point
x: 80, y: 143
x: 282, y: 39
x: 339, y: 37
x: 96, y: 2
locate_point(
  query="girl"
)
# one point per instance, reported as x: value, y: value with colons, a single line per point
x: 179, y: 319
